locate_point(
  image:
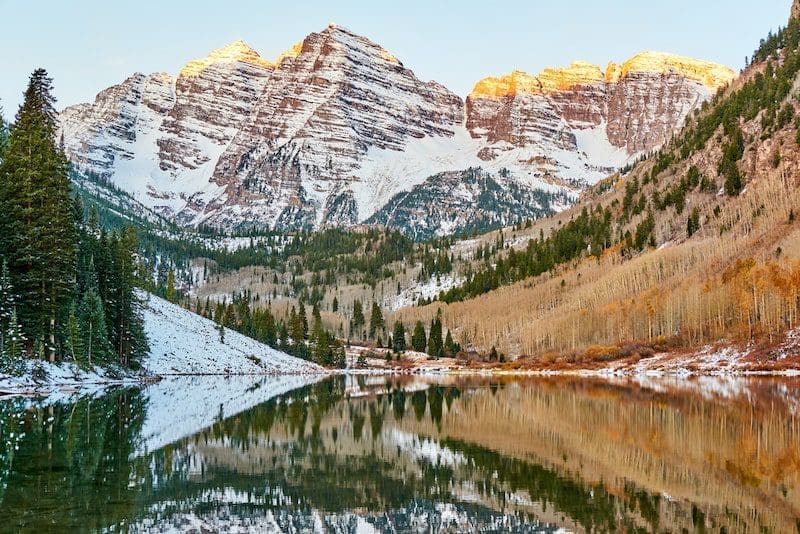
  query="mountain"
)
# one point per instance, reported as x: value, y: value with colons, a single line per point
x: 337, y: 131
x: 695, y: 248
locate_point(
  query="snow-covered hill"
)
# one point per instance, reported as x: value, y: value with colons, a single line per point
x: 181, y: 343
x: 184, y: 343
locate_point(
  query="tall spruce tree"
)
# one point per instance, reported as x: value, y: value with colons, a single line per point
x: 376, y: 323
x: 37, y: 232
x: 418, y: 338
x: 7, y: 302
x: 435, y: 344
x: 399, y: 337
x: 95, y: 348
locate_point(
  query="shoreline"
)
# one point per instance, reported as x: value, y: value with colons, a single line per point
x: 32, y: 389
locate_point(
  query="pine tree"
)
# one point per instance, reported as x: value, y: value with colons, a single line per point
x: 37, y: 234
x: 122, y: 303
x: 693, y: 223
x: 357, y: 322
x: 171, y: 285
x: 450, y: 347
x: 376, y: 323
x: 418, y: 339
x: 399, y: 337
x: 7, y: 302
x: 435, y: 345
x: 74, y: 338
x: 92, y: 321
x: 335, y: 305
x: 11, y: 358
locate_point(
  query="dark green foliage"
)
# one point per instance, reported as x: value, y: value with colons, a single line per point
x: 37, y: 234
x: 376, y: 323
x: 728, y: 166
x: 644, y: 233
x: 693, y: 223
x: 93, y: 347
x: 357, y: 322
x: 399, y: 337
x: 435, y: 343
x: 419, y: 340
x: 73, y: 284
x: 590, y: 232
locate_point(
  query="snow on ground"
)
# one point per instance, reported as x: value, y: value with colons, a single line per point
x: 178, y: 407
x: 425, y: 290
x: 181, y: 343
x: 184, y: 343
x: 64, y: 380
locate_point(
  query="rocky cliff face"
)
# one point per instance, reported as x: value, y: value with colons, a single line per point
x: 337, y: 127
x: 323, y: 110
x: 627, y: 109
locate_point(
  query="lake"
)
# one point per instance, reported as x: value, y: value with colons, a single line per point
x: 406, y: 454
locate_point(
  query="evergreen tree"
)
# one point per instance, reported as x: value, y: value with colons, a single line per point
x: 693, y: 223
x: 399, y: 337
x: 7, y: 302
x: 335, y: 305
x: 11, y: 358
x: 92, y: 321
x: 304, y: 320
x: 418, y: 338
x: 357, y: 322
x: 37, y: 233
x: 435, y: 345
x: 171, y: 285
x: 376, y: 323
x: 449, y: 346
x: 74, y: 339
x: 122, y: 303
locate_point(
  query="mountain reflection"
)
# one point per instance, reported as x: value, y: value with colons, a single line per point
x: 409, y: 454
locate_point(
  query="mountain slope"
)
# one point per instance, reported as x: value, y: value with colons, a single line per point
x: 182, y: 342
x: 700, y: 245
x: 337, y: 127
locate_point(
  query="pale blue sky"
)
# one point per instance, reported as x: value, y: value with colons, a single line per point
x: 87, y: 45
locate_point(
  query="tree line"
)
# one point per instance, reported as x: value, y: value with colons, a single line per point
x: 66, y: 287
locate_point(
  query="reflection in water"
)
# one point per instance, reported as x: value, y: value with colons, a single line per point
x: 406, y: 454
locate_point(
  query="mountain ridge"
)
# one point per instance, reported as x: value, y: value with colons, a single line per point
x: 334, y: 129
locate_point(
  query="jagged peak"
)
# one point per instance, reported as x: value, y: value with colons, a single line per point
x: 237, y: 51
x: 553, y: 80
x: 293, y: 51
x: 347, y: 37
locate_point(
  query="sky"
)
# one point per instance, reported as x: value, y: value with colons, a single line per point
x: 88, y: 45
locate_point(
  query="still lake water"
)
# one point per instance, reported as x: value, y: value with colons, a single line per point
x: 406, y: 454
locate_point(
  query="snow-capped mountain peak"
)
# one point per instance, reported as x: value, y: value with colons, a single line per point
x: 337, y: 127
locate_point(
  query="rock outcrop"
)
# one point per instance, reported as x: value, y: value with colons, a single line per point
x: 633, y: 107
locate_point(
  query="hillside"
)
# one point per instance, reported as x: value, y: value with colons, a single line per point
x: 695, y: 245
x: 181, y: 343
